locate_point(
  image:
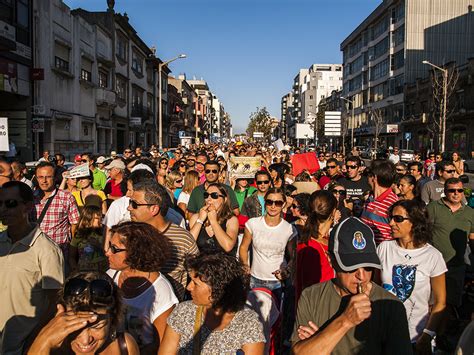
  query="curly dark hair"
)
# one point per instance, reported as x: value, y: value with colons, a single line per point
x: 418, y: 216
x: 226, y: 277
x: 147, y: 248
x: 84, y: 302
x: 303, y: 199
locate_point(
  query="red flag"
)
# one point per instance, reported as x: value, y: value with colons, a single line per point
x: 305, y: 161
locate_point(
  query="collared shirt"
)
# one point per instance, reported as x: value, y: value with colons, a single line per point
x: 28, y: 268
x: 451, y: 230
x: 100, y: 179
x: 375, y: 215
x: 61, y: 214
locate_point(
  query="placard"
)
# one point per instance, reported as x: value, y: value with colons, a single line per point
x: 4, y: 146
x: 244, y: 167
x: 79, y: 171
x: 278, y: 144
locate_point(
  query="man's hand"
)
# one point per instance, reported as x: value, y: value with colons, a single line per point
x: 358, y: 310
x: 305, y: 332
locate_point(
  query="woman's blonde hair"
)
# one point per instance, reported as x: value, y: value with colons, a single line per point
x: 170, y: 179
x: 191, y: 180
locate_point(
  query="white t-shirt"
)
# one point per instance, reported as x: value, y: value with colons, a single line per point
x: 268, y: 245
x: 407, y: 274
x: 143, y: 310
x: 118, y: 213
x: 183, y: 198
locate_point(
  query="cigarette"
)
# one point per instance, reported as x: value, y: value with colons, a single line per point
x: 359, y: 287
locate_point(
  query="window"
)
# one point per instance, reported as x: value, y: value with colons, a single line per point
x: 380, y: 28
x: 397, y: 60
x: 86, y: 70
x: 137, y: 62
x: 61, y: 57
x: 103, y: 79
x: 380, y: 70
x: 121, y: 47
x: 398, y: 36
x: 310, y: 97
x: 137, y: 102
x: 121, y: 88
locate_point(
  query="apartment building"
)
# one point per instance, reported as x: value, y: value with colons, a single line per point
x: 185, y: 104
x: 386, y: 52
x: 202, y: 108
x: 287, y: 112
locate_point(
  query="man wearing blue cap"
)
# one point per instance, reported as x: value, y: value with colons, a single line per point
x: 350, y: 314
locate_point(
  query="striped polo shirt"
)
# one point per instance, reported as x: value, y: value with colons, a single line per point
x: 375, y: 215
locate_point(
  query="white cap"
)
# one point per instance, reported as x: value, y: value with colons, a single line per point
x: 141, y: 166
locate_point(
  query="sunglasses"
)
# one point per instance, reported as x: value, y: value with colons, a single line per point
x: 182, y: 165
x: 352, y: 166
x: 340, y: 192
x: 263, y: 182
x: 277, y: 203
x: 214, y: 171
x: 163, y: 163
x: 100, y: 291
x: 114, y: 249
x: 451, y: 191
x: 450, y: 171
x: 400, y: 170
x: 135, y: 204
x: 10, y: 203
x: 214, y: 195
x: 179, y: 181
x: 331, y: 166
x: 84, y: 160
x: 295, y: 206
x: 398, y: 218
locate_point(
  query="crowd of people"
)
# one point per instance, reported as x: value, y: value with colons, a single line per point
x: 165, y: 252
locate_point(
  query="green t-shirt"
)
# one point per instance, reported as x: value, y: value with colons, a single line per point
x: 451, y: 230
x: 196, y: 200
x: 242, y: 195
x: 100, y: 179
x: 384, y: 332
x: 90, y: 249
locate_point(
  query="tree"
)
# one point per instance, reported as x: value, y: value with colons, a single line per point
x: 378, y: 119
x: 260, y: 121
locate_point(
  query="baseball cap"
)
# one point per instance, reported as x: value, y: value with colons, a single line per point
x: 142, y: 166
x: 100, y: 160
x: 116, y: 163
x: 78, y: 157
x: 352, y: 244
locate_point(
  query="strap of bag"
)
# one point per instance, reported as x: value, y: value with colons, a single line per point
x: 197, y: 331
x: 45, y: 209
x: 122, y: 343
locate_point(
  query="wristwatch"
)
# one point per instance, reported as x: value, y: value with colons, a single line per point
x: 199, y: 221
x: 431, y: 333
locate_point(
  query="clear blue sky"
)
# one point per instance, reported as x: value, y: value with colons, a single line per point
x: 248, y: 51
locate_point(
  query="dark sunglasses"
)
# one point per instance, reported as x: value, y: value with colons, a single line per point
x: 263, y: 182
x: 100, y: 291
x: 179, y: 181
x: 340, y: 192
x: 10, y: 203
x: 352, y: 166
x: 214, y: 195
x: 135, y: 204
x: 114, y: 249
x: 398, y: 218
x: 182, y: 165
x: 400, y: 170
x: 214, y: 171
x: 127, y: 151
x: 450, y: 171
x: 295, y: 206
x: 164, y: 162
x: 277, y: 203
x: 331, y: 166
x: 84, y: 160
x: 451, y: 191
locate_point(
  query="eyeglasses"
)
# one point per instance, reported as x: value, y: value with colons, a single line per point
x: 340, y: 192
x: 214, y: 195
x: 214, y: 171
x: 100, y: 290
x: 44, y: 177
x: 10, y: 203
x: 398, y: 218
x: 163, y: 163
x: 182, y: 165
x: 451, y: 191
x: 450, y: 171
x: 127, y: 152
x: 135, y: 204
x: 84, y: 160
x: 352, y: 166
x: 277, y: 203
x: 295, y: 206
x: 179, y: 181
x: 331, y: 166
x: 263, y: 182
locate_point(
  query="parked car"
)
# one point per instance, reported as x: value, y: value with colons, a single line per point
x: 407, y: 155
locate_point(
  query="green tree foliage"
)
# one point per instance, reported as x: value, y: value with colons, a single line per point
x: 260, y: 121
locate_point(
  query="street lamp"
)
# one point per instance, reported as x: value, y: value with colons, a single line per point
x: 160, y: 103
x: 445, y: 98
x: 352, y: 122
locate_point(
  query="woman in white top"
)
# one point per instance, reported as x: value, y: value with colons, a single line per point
x: 269, y: 236
x: 414, y: 270
x: 136, y: 252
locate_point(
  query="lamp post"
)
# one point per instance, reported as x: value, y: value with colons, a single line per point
x: 352, y: 121
x: 445, y: 98
x: 160, y: 103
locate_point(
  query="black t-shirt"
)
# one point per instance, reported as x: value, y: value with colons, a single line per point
x: 355, y: 189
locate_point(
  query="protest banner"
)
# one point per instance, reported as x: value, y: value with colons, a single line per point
x: 79, y: 171
x: 305, y: 161
x: 244, y: 167
x: 278, y: 144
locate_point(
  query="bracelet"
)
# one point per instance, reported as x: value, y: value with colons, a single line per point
x: 199, y: 221
x: 431, y: 333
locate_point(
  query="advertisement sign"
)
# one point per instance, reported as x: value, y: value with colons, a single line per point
x: 37, y: 124
x: 4, y: 146
x: 79, y: 171
x: 244, y: 167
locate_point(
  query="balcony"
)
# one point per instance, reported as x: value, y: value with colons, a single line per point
x: 105, y: 97
x: 141, y: 111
